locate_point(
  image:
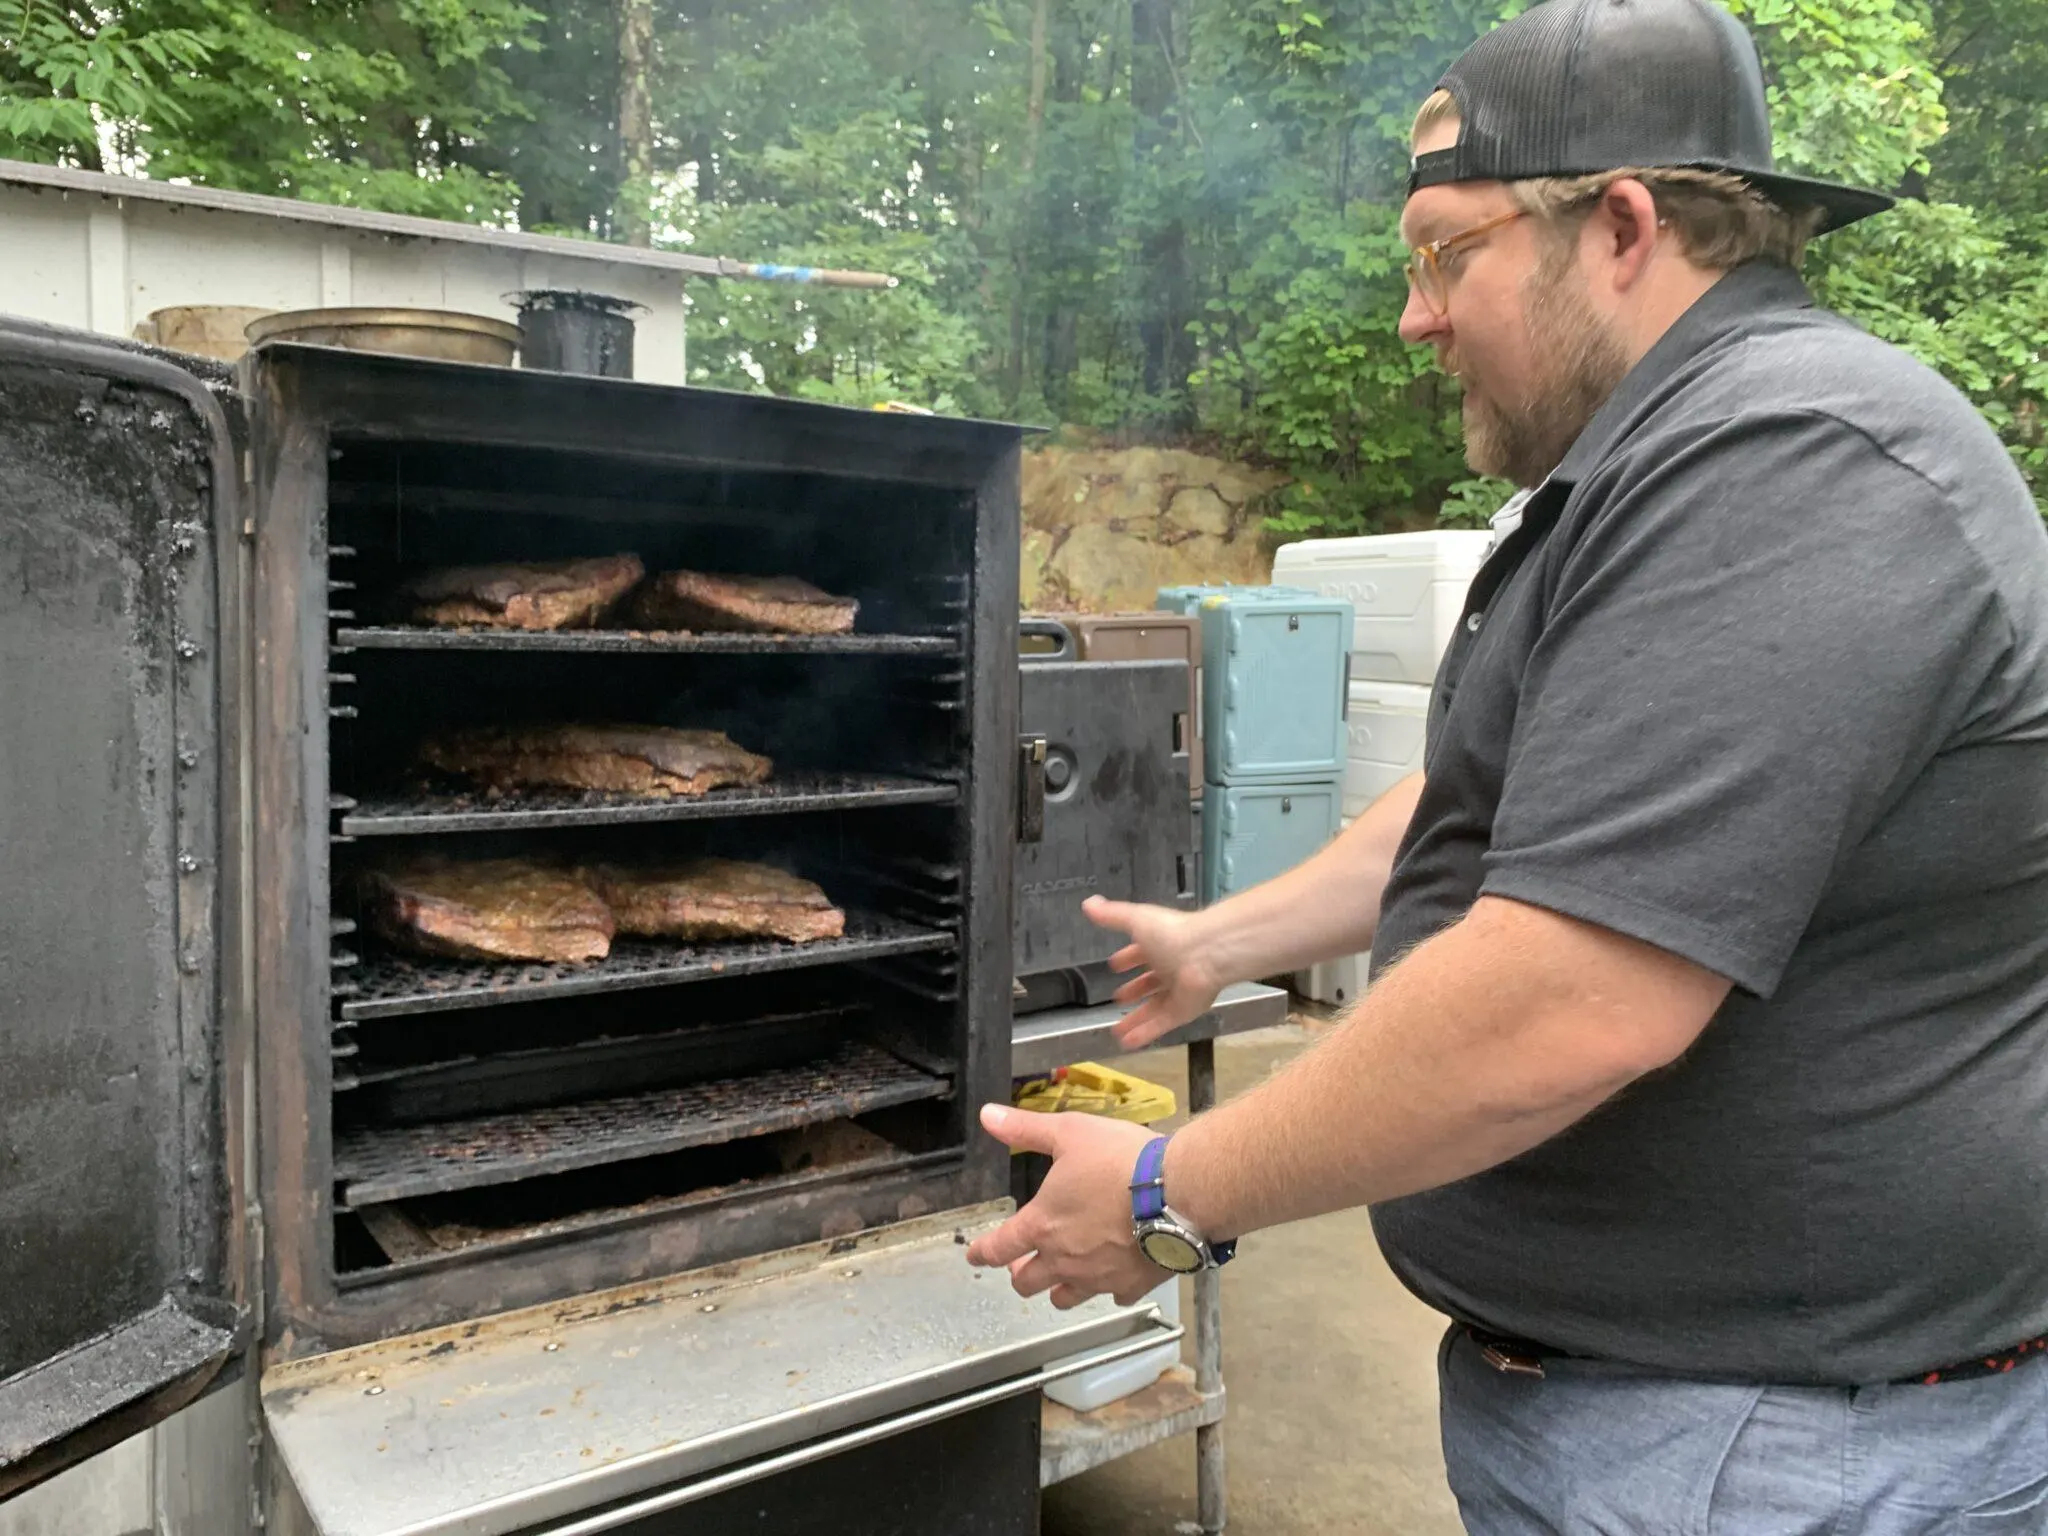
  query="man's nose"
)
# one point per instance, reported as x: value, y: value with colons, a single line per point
x: 1419, y: 323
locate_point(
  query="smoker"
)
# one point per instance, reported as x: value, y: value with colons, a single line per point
x: 670, y: 1236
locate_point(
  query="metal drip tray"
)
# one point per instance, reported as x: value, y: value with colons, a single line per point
x: 513, y: 1422
x: 376, y: 1164
x: 387, y: 984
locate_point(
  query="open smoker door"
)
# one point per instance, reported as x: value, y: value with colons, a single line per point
x: 120, y: 1273
x: 610, y: 1411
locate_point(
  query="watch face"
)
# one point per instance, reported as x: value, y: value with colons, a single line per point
x: 1169, y: 1250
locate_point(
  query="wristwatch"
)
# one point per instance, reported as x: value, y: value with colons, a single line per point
x: 1164, y: 1235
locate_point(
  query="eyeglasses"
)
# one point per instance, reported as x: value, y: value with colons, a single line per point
x: 1425, y: 262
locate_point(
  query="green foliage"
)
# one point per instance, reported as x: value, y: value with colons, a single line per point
x: 853, y: 348
x: 1954, y: 274
x: 1472, y: 503
x: 1177, y: 220
x: 1854, y: 96
x: 66, y: 71
x: 372, y: 102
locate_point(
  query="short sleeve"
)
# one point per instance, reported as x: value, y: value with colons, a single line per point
x: 1761, y: 632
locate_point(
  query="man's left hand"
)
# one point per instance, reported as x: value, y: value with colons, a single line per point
x: 1074, y: 1239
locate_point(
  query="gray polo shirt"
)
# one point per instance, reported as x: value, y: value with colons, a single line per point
x: 1762, y: 679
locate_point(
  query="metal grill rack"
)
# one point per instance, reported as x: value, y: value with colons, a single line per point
x: 452, y: 1073
x: 385, y: 1163
x: 793, y: 792
x: 626, y: 642
x: 387, y: 985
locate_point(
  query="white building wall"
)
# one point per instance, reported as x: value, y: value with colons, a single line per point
x: 104, y: 263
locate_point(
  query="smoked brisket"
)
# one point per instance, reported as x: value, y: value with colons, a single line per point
x: 626, y: 759
x: 718, y: 899
x: 496, y: 909
x: 563, y: 594
x: 781, y: 605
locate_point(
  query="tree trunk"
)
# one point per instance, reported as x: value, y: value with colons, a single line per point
x: 700, y: 144
x: 1034, y: 107
x: 1062, y: 356
x: 1164, y: 304
x: 1034, y: 129
x: 636, y: 121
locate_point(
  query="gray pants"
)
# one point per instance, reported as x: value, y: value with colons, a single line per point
x: 1595, y: 1448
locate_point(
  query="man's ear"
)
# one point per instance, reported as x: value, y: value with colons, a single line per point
x: 1625, y: 224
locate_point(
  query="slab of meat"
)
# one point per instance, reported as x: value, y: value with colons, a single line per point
x: 563, y: 594
x: 780, y: 605
x: 495, y: 909
x: 718, y: 899
x: 626, y: 759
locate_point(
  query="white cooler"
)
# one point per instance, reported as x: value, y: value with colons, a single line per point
x: 1406, y: 591
x: 1386, y: 724
x: 1337, y: 982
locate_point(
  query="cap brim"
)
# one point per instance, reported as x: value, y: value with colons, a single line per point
x: 1841, y: 204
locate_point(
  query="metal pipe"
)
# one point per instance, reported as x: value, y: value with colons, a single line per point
x: 824, y: 277
x: 1211, y: 1489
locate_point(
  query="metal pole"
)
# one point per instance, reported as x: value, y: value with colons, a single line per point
x: 1211, y: 1492
x: 826, y: 277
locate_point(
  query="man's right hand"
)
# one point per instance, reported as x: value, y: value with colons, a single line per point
x: 1176, y: 983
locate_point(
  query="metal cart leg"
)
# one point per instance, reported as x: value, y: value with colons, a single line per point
x: 1211, y: 1494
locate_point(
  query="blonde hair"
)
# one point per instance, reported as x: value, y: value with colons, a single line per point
x: 1441, y: 108
x: 1721, y: 220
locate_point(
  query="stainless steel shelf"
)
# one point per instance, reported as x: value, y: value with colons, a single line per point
x: 1040, y: 1042
x: 1071, y: 1443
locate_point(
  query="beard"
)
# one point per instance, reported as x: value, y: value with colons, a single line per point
x: 1578, y: 360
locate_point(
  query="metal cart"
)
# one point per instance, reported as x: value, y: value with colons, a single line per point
x: 1072, y: 1443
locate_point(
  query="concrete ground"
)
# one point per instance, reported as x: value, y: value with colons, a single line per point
x: 1331, y: 1369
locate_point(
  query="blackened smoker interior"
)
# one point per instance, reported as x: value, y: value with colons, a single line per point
x: 560, y: 1098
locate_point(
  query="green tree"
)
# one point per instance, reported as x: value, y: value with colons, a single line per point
x: 1156, y: 218
x: 371, y: 102
x: 68, y: 74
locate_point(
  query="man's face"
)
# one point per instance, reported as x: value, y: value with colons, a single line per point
x: 1519, y: 331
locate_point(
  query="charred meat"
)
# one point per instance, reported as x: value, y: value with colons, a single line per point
x: 776, y: 605
x: 495, y: 909
x: 623, y: 759
x: 718, y: 899
x: 563, y: 594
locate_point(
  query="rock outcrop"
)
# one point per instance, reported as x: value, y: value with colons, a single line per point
x: 1105, y: 528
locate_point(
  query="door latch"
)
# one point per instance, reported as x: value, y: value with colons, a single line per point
x: 1030, y: 789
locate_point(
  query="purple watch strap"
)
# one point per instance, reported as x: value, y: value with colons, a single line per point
x: 1148, y: 1181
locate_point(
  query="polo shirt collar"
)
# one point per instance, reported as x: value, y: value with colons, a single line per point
x: 1754, y: 288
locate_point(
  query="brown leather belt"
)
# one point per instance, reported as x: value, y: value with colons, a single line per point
x: 1524, y: 1357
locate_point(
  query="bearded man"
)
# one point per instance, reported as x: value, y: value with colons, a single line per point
x: 1703, y: 1075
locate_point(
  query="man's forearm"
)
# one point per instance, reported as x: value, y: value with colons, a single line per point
x: 1324, y: 907
x: 1482, y: 1043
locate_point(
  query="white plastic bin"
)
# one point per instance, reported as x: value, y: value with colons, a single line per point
x: 1387, y: 724
x: 1336, y: 982
x: 1406, y: 592
x: 1088, y: 1389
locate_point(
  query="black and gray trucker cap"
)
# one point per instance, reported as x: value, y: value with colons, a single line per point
x: 1572, y: 87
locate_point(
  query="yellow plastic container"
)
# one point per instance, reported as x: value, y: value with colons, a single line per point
x: 1094, y: 1089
